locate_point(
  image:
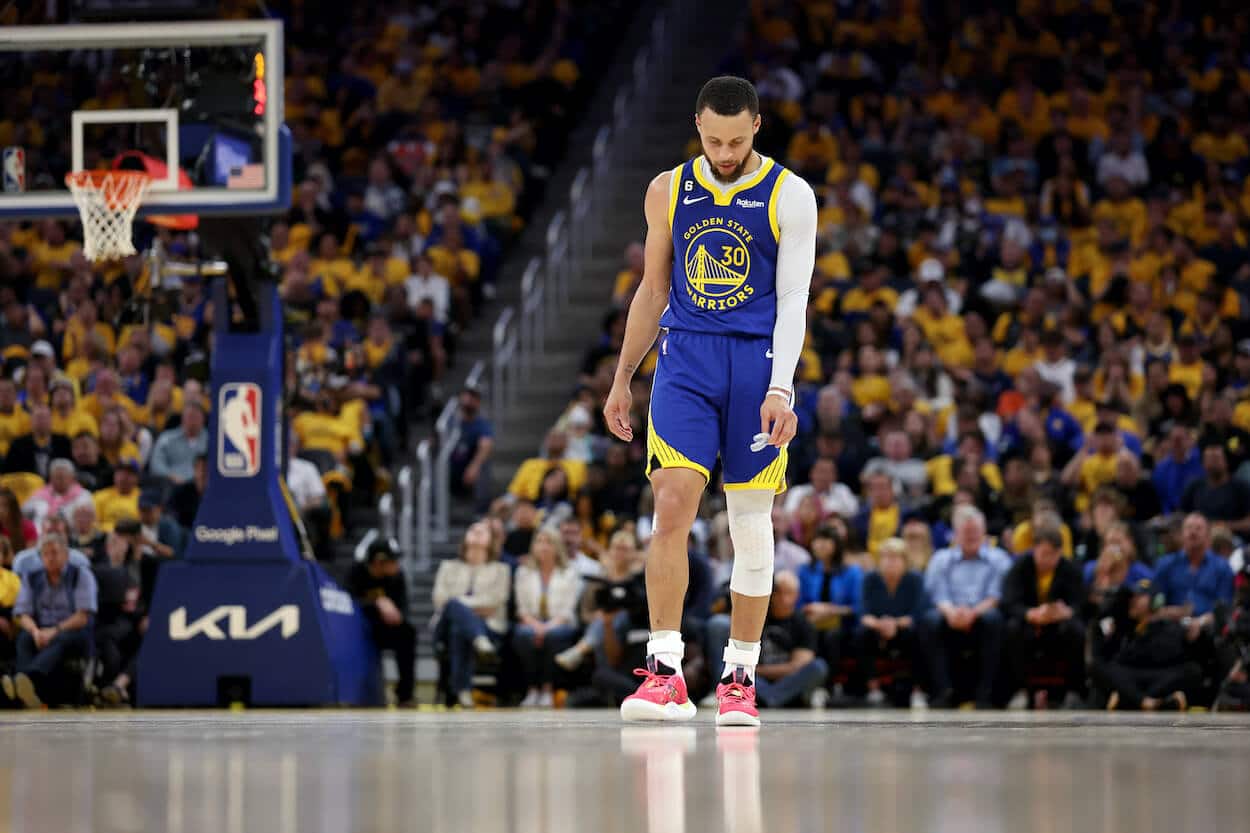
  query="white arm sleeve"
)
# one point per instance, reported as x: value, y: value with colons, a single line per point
x: 796, y: 257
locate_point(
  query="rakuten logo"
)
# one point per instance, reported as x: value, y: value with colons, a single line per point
x: 232, y: 535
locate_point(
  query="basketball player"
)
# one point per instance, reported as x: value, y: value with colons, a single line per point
x: 731, y: 242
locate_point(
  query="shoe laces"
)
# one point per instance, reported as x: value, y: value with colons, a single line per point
x: 653, y: 678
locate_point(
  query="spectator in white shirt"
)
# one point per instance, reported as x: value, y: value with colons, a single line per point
x: 424, y: 283
x: 908, y: 474
x: 788, y: 556
x: 546, y: 591
x: 383, y: 198
x: 1055, y: 366
x: 308, y: 491
x: 835, y: 498
x: 1123, y: 160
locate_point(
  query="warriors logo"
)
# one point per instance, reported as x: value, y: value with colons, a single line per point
x: 718, y: 264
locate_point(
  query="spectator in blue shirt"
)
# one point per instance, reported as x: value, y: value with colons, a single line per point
x: 829, y: 596
x: 893, y: 605
x: 1176, y: 465
x: 470, y: 459
x: 1194, y: 580
x: 53, y: 609
x: 965, y: 582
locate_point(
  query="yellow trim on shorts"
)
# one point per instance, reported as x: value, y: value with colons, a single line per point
x: 772, y: 477
x: 772, y: 205
x: 673, y: 188
x: 726, y: 198
x: 669, y: 457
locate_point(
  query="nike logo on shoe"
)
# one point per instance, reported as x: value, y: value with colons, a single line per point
x: 688, y: 201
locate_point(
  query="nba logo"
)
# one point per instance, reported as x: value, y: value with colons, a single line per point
x: 14, y: 170
x: 238, y: 429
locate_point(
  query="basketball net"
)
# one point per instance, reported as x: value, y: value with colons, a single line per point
x: 107, y: 202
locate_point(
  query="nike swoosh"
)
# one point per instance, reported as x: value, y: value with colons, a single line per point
x: 768, y: 354
x: 688, y: 201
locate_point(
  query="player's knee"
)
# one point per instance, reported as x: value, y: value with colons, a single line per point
x: 751, y: 530
x: 675, y: 507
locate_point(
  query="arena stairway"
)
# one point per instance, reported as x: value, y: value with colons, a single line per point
x: 647, y: 150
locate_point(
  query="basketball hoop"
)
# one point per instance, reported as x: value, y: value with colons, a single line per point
x: 107, y: 202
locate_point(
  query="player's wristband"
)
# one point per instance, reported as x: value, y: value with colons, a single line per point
x: 784, y: 393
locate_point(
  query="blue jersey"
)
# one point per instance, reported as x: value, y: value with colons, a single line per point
x: 724, y: 252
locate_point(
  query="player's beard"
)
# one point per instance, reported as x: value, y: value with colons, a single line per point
x: 719, y: 174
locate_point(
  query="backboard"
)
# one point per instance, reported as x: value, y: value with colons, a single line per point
x: 198, y: 105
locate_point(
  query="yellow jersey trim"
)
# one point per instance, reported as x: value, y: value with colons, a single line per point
x: 673, y: 188
x: 669, y: 457
x: 772, y: 477
x: 726, y: 198
x: 772, y: 205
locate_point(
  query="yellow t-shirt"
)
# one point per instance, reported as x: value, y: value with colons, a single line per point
x: 1043, y: 585
x: 92, y: 404
x: 126, y: 451
x: 111, y: 506
x: 74, y: 345
x: 528, y: 480
x: 1189, y: 375
x: 12, y: 426
x: 324, y: 432
x: 882, y: 524
x: 47, y: 276
x: 75, y: 423
x: 857, y: 300
x: 947, y: 336
x: 1022, y: 539
x: 455, y: 265
x: 1097, y: 470
x: 871, y: 390
x: 624, y: 283
x: 941, y: 471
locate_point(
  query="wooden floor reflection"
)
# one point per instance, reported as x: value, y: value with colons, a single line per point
x: 558, y: 772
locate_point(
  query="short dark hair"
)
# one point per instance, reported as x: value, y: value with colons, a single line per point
x: 728, y: 95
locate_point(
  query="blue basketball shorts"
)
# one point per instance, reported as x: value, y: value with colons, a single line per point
x: 705, y: 402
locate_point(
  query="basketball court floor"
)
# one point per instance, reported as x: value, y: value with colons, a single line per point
x: 551, y: 772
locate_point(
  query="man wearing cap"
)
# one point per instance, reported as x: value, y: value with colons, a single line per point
x: 121, y: 500
x: 379, y: 587
x: 35, y: 450
x: 42, y: 355
x: 930, y: 271
x: 1141, y: 660
x: 173, y: 456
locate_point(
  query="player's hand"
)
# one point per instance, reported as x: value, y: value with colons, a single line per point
x: 778, y: 420
x: 616, y: 412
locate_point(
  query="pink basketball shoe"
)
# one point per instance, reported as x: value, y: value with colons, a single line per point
x: 662, y: 696
x: 737, y: 701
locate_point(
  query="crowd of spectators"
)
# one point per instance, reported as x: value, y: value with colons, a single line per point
x: 1022, y: 474
x: 423, y: 136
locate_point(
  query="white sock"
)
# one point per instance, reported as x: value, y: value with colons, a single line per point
x: 667, y: 648
x: 741, y: 655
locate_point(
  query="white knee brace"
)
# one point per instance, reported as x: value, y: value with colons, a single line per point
x: 751, y: 530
